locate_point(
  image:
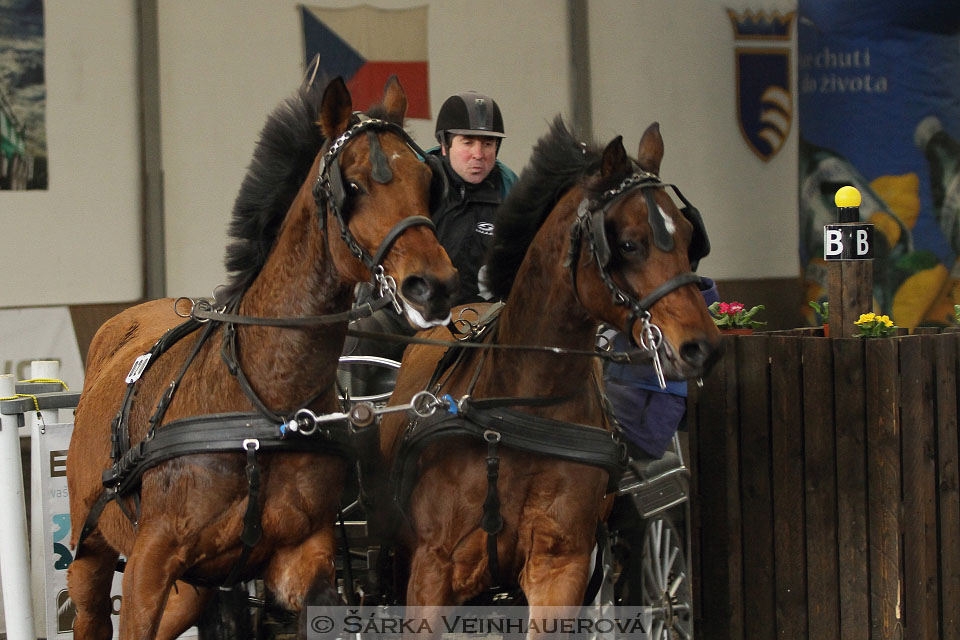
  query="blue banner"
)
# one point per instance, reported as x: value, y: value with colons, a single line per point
x: 879, y: 96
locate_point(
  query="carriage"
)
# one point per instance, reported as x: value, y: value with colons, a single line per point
x: 226, y: 456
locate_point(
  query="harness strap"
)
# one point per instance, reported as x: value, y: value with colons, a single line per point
x: 119, y: 433
x: 202, y: 311
x: 520, y: 431
x: 492, y: 520
x: 157, y: 418
x: 638, y: 309
x: 618, y: 356
x: 215, y: 433
x: 220, y: 433
x: 396, y: 231
x: 252, y: 521
x: 93, y: 517
x: 596, y: 578
x: 228, y: 353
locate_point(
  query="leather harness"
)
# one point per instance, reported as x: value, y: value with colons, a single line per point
x: 264, y: 429
x: 494, y: 423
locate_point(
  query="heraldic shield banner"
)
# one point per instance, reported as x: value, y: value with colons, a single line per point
x: 764, y: 103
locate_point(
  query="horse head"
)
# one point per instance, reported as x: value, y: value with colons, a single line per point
x: 641, y: 246
x: 377, y: 199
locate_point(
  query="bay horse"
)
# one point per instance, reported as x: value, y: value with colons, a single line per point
x: 325, y: 189
x: 585, y: 237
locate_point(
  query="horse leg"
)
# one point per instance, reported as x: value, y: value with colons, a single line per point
x: 89, y: 578
x: 429, y: 588
x: 184, y: 607
x: 430, y: 581
x: 153, y: 567
x: 303, y: 576
x: 553, y: 583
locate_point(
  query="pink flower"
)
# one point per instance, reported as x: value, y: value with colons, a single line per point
x: 724, y: 308
x: 735, y: 307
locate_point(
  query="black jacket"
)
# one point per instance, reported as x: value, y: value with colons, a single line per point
x: 464, y: 215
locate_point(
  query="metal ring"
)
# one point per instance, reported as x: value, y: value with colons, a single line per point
x: 651, y: 337
x: 249, y: 443
x: 176, y: 304
x: 424, y: 404
x: 491, y: 436
x: 308, y: 418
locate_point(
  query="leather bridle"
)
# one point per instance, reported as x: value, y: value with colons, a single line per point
x: 330, y: 194
x: 590, y: 223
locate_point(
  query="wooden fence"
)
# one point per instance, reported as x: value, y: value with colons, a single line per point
x: 825, y: 489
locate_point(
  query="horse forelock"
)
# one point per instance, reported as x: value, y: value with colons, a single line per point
x: 559, y: 162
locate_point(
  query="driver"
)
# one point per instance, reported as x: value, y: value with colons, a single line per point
x: 471, y: 185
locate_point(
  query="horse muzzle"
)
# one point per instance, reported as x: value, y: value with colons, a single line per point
x: 427, y: 300
x: 693, y: 359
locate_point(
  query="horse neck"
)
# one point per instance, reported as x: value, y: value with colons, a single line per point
x: 298, y: 279
x: 542, y: 309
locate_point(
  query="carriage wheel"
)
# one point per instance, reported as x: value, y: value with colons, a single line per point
x: 665, y: 581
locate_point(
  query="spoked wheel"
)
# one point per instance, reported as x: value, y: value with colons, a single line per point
x: 665, y: 581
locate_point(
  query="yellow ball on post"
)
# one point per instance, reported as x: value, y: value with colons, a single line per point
x: 847, y: 197
x: 848, y: 202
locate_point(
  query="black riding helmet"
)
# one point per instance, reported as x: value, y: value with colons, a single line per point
x: 469, y: 114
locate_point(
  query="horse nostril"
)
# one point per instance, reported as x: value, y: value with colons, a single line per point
x: 429, y: 292
x: 697, y: 353
x: 415, y: 289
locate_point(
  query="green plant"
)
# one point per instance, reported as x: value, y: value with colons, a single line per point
x: 823, y: 310
x: 734, y: 315
x: 873, y: 326
x: 956, y: 313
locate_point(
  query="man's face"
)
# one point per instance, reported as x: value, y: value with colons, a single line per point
x: 472, y: 157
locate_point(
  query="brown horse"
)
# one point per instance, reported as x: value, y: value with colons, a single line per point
x: 288, y: 260
x: 592, y: 251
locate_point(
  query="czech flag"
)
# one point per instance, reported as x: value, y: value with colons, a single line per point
x: 365, y: 46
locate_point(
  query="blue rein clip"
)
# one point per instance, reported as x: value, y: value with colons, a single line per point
x: 452, y: 407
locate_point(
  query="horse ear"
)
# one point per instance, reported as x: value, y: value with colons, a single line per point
x: 651, y: 149
x: 615, y: 160
x: 335, y: 109
x: 395, y: 100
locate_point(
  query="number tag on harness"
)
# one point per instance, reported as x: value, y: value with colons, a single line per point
x: 137, y: 369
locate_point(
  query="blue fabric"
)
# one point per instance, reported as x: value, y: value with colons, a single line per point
x: 648, y: 418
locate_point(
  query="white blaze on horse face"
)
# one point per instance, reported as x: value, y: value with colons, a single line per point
x: 668, y: 221
x: 395, y: 156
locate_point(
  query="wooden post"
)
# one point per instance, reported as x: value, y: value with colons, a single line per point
x: 848, y: 250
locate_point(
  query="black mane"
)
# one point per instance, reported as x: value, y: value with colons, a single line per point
x: 288, y: 145
x: 285, y: 151
x: 559, y: 161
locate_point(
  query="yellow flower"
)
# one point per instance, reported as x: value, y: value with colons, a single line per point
x: 866, y: 317
x: 887, y: 322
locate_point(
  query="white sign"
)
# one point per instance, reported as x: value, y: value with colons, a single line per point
x: 59, y: 610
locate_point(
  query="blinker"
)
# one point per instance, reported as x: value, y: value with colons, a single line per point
x: 598, y: 234
x: 378, y: 160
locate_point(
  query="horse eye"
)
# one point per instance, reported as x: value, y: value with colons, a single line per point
x: 355, y: 188
x: 629, y: 247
